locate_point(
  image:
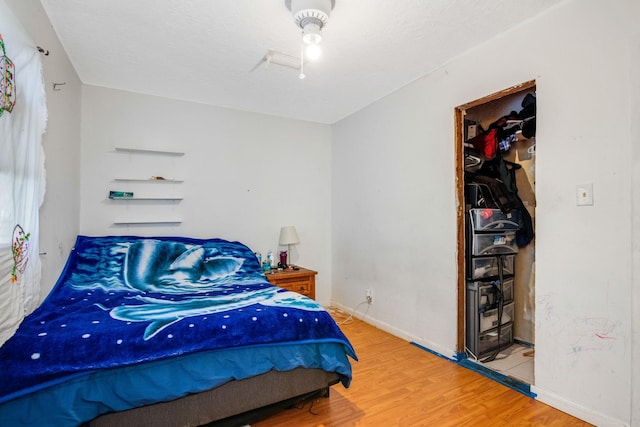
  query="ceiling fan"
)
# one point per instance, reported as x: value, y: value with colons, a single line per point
x: 311, y: 16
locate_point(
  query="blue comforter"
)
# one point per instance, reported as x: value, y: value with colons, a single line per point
x: 123, y: 301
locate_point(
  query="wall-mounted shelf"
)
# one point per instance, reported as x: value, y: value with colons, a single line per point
x: 146, y: 198
x: 148, y: 207
x: 147, y: 151
x: 142, y: 221
x: 159, y: 181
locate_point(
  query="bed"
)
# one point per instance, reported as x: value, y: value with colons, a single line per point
x: 165, y: 331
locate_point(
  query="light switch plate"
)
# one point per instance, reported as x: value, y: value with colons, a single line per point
x: 584, y: 195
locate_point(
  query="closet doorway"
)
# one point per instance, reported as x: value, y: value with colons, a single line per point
x: 495, y: 177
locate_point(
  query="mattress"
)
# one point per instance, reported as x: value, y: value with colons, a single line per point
x: 136, y: 320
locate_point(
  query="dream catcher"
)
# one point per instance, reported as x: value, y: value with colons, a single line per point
x: 7, y: 81
x: 20, y: 251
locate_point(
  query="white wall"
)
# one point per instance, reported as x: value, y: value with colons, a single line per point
x: 394, y: 220
x: 635, y: 197
x: 392, y: 189
x: 245, y: 175
x: 394, y: 226
x: 59, y: 213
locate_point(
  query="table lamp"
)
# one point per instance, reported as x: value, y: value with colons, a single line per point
x: 288, y: 237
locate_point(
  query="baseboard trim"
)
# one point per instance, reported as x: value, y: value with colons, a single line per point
x: 433, y: 347
x: 533, y: 391
x: 576, y: 410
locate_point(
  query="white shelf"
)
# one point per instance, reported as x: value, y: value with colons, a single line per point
x: 147, y: 151
x: 151, y: 207
x: 145, y: 198
x: 168, y: 181
x: 143, y: 221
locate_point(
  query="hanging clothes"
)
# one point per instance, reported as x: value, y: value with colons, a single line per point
x: 505, y: 172
x: 500, y: 198
x: 528, y: 114
x: 486, y: 143
x: 499, y: 137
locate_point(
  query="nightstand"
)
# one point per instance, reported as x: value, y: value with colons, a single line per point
x: 302, y: 281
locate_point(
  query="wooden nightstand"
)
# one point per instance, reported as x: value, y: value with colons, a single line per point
x: 302, y: 281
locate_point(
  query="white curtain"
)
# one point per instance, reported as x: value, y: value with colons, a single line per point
x: 22, y: 177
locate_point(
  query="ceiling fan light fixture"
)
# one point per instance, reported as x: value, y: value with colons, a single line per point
x: 301, y: 9
x: 310, y: 16
x: 312, y: 32
x: 313, y: 52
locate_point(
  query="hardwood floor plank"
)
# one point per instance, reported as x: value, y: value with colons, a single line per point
x: 398, y: 384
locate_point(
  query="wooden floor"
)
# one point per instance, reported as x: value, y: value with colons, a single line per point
x: 398, y: 384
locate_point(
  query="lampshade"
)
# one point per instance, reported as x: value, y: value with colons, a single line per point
x: 289, y: 236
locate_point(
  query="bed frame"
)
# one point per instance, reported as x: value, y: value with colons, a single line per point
x: 235, y: 403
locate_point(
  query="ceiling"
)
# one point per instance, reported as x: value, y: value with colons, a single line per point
x: 206, y: 51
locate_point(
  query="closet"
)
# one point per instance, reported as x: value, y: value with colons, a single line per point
x: 495, y: 166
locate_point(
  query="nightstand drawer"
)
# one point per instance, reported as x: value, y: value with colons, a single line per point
x: 296, y: 285
x: 302, y: 281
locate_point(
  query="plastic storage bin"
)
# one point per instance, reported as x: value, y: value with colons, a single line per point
x: 489, y: 342
x: 489, y: 319
x: 494, y: 220
x: 483, y: 295
x: 493, y: 244
x: 487, y: 267
x: 479, y: 322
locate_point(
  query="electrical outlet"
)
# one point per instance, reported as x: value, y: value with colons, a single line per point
x: 584, y: 194
x: 369, y: 296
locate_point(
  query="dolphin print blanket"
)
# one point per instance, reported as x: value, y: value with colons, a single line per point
x: 122, y: 301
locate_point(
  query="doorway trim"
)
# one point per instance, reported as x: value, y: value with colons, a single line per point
x: 459, y: 114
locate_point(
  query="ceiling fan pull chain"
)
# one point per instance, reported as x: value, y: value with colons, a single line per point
x: 301, y: 75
